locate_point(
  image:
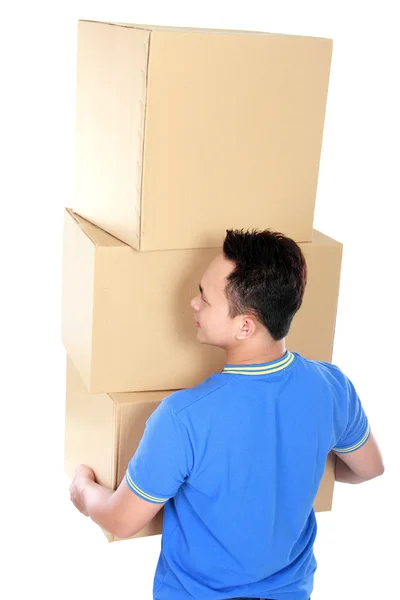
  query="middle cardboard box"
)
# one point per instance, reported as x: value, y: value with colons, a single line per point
x: 127, y: 323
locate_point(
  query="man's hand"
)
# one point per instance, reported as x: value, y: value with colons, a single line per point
x: 122, y: 512
x: 83, y: 473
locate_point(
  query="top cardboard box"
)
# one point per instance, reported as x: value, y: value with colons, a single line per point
x: 182, y: 133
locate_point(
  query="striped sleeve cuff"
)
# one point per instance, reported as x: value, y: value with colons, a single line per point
x: 355, y: 446
x: 132, y: 485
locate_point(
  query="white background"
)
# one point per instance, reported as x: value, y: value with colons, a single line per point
x: 51, y: 551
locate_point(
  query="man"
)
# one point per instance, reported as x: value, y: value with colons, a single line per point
x: 237, y: 460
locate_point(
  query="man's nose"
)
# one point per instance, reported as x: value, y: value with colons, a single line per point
x: 194, y: 304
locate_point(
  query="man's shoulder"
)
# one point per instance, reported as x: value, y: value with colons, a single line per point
x: 319, y: 368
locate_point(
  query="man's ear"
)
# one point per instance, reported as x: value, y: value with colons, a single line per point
x: 247, y: 327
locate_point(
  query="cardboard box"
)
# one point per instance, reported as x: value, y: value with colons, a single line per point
x: 104, y: 431
x: 127, y: 323
x: 200, y: 130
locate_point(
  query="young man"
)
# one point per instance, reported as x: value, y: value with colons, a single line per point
x: 237, y: 460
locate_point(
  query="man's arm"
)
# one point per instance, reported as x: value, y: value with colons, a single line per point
x: 360, y: 465
x: 121, y: 512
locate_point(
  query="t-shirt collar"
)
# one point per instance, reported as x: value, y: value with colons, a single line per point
x: 262, y: 368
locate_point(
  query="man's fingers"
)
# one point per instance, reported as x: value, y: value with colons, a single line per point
x: 77, y: 504
x: 79, y: 507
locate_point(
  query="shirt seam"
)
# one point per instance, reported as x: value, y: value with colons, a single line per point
x: 200, y: 398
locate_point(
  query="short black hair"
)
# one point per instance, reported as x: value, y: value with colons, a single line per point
x: 268, y: 279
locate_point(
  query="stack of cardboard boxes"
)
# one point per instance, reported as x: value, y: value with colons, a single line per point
x: 181, y: 134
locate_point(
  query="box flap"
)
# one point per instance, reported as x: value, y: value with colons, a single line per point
x: 174, y: 29
x: 205, y: 30
x: 78, y: 284
x: 94, y: 233
x: 111, y: 84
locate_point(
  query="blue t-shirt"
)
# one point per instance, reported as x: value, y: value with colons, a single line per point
x: 238, y: 461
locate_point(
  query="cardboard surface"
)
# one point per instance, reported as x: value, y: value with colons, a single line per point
x: 127, y: 323
x: 104, y: 431
x: 183, y: 133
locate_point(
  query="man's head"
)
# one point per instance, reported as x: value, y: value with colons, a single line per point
x: 252, y: 290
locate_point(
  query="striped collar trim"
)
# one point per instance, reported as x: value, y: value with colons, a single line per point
x: 262, y: 369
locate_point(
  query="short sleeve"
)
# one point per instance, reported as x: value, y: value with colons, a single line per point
x: 163, y: 458
x: 357, y: 429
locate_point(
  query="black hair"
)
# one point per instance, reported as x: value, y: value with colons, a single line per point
x: 268, y: 280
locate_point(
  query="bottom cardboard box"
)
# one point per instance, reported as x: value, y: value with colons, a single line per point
x: 104, y: 431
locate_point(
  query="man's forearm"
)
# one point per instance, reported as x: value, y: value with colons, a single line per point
x: 344, y: 474
x: 95, y: 500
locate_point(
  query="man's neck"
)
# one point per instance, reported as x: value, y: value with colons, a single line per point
x: 240, y: 356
